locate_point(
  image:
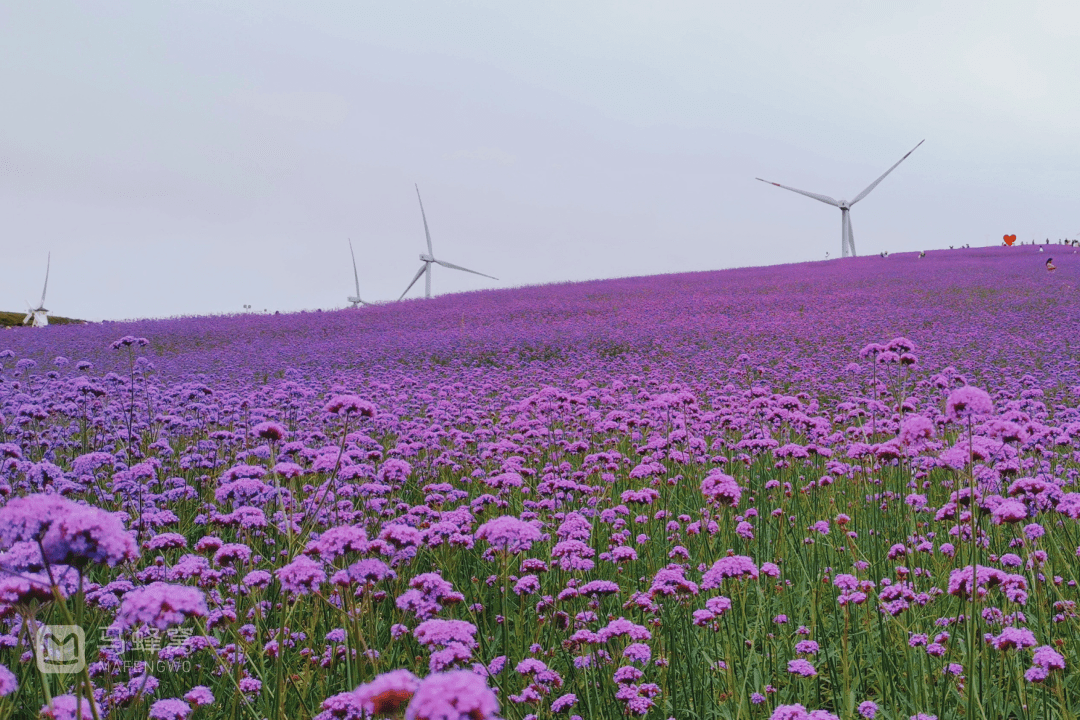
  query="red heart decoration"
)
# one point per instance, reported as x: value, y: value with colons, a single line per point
x: 1010, y: 239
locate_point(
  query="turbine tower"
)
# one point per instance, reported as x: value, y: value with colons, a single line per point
x: 355, y: 300
x: 429, y: 258
x: 847, y: 238
x: 39, y: 316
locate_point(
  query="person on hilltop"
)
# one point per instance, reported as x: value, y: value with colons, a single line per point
x: 1050, y: 266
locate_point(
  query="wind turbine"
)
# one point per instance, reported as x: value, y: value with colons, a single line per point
x: 355, y: 300
x: 39, y: 316
x: 429, y: 258
x: 847, y: 238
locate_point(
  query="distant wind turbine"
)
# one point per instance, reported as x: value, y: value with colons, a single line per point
x: 847, y: 238
x: 39, y: 316
x: 355, y: 300
x: 429, y: 258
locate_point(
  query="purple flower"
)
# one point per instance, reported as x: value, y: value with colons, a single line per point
x: 671, y: 580
x: 250, y: 685
x: 69, y: 533
x: 1036, y: 674
x: 914, y: 430
x: 638, y: 652
x: 270, y: 430
x: 302, y: 576
x: 527, y: 585
x: 966, y: 402
x: 1010, y: 510
x: 454, y: 695
x: 130, y: 341
x: 597, y: 588
x: 349, y: 405
x: 388, y: 693
x: 734, y: 566
x: 343, y: 706
x: 169, y: 709
x: 199, y: 695
x: 801, y: 667
x: 370, y: 571
x: 564, y: 702
x: 8, y: 682
x: 160, y: 605
x: 1048, y: 658
x: 230, y: 553
x: 1013, y: 637
x: 65, y: 707
x: 789, y: 712
x: 257, y: 578
x: 438, y: 632
x: 1034, y: 531
x: 721, y: 489
x: 166, y: 541
x: 428, y: 593
x: 337, y: 541
x: 508, y: 534
x: 868, y: 709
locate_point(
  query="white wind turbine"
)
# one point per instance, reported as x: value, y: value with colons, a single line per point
x: 429, y: 258
x: 847, y: 238
x: 355, y: 300
x: 39, y: 316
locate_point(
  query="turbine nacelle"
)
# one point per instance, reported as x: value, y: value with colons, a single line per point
x: 424, y: 257
x: 843, y: 204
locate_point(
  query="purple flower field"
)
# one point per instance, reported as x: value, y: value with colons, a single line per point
x: 844, y: 489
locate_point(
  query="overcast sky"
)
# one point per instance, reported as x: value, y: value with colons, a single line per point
x: 194, y: 157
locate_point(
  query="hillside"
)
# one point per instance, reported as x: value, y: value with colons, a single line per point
x: 735, y: 494
x: 983, y: 306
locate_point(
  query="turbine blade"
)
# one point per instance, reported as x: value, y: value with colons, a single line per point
x: 28, y: 317
x: 355, y: 276
x: 874, y: 184
x: 427, y: 232
x: 415, y: 278
x: 47, y: 264
x: 458, y: 267
x: 822, y: 198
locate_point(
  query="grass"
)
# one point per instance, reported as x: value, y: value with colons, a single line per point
x: 10, y: 319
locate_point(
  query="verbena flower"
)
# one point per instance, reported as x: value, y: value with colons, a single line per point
x: 160, y: 605
x: 67, y: 707
x: 8, y: 682
x: 302, y: 576
x: 199, y: 695
x: 349, y: 405
x: 967, y: 402
x: 508, y: 534
x: 454, y: 695
x: 169, y: 709
x: 801, y: 667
